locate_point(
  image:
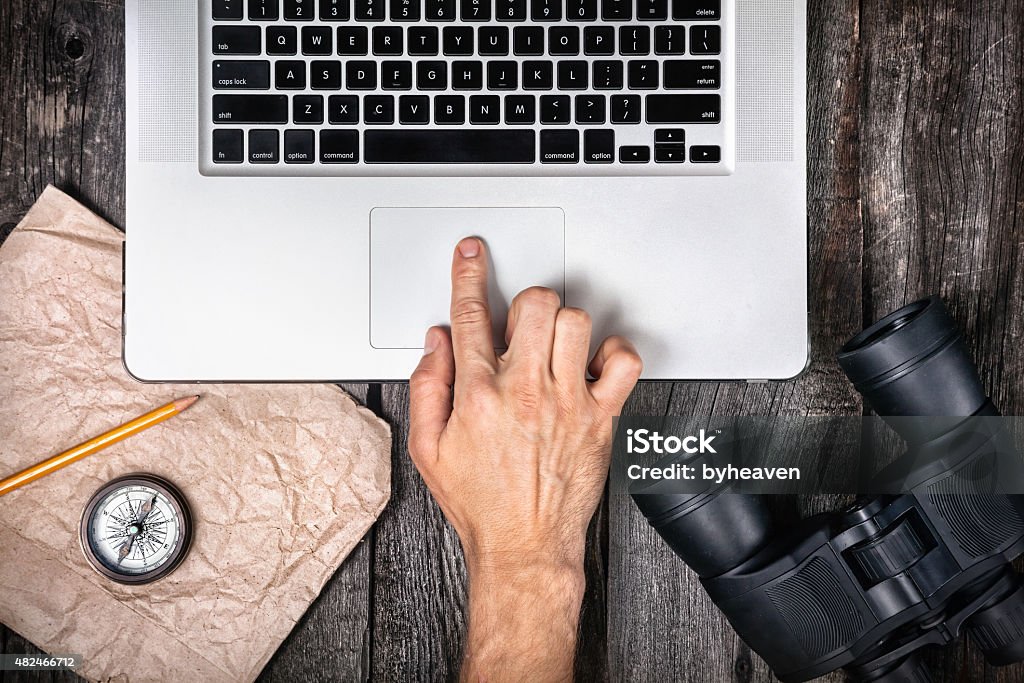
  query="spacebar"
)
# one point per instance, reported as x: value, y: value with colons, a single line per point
x: 449, y: 147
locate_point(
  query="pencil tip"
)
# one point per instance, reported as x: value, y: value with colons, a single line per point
x: 183, y: 403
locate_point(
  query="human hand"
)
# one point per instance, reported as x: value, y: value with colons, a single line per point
x: 515, y: 448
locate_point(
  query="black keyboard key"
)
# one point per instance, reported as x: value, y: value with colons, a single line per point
x: 669, y: 40
x: 634, y: 40
x: 502, y: 75
x: 316, y: 40
x: 616, y: 10
x: 227, y: 146
x: 691, y: 74
x: 387, y: 40
x: 598, y: 146
x: 528, y: 41
x: 480, y: 146
x: 634, y: 154
x: 684, y: 108
x: 290, y: 75
x: 546, y: 10
x: 423, y: 41
x: 643, y: 74
x: 264, y: 147
x: 307, y: 110
x: 607, y: 75
x: 493, y: 41
x: 264, y: 10
x: 396, y: 75
x: 228, y: 10
x: 476, y: 10
x: 484, y: 109
x: 405, y: 10
x: 590, y: 109
x: 652, y: 10
x: 510, y: 10
x: 554, y: 109
x: 343, y: 109
x: 538, y: 75
x: 431, y: 75
x: 325, y: 75
x: 457, y: 40
x: 572, y: 75
x: 705, y: 154
x: 672, y: 136
x: 669, y: 154
x: 696, y: 10
x: 241, y: 75
x: 298, y: 10
x: 449, y: 110
x: 282, y: 40
x: 368, y: 10
x: 440, y: 10
x: 339, y: 146
x: 250, y: 108
x: 298, y: 147
x: 520, y: 109
x: 705, y: 40
x: 599, y: 40
x: 353, y: 40
x: 467, y: 75
x: 564, y: 40
x: 414, y: 109
x: 559, y: 146
x: 581, y: 10
x: 378, y: 109
x: 625, y: 109
x: 335, y: 10
x: 236, y: 40
x: 361, y: 75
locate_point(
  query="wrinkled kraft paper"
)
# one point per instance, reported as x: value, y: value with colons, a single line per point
x: 283, y: 480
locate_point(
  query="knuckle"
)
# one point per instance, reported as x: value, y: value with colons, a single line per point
x: 420, y: 447
x: 543, y: 297
x: 469, y: 311
x: 575, y: 318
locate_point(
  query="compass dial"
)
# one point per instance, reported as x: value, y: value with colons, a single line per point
x: 136, y: 529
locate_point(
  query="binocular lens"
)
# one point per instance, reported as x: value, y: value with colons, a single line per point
x: 999, y: 630
x: 914, y: 363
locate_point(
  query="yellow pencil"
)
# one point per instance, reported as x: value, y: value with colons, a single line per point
x: 96, y: 444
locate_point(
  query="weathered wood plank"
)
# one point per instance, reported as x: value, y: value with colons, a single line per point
x: 943, y: 161
x: 662, y: 626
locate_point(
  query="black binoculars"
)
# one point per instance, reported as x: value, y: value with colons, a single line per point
x: 867, y: 588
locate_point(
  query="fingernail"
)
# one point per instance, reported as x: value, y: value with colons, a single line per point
x: 469, y: 247
x: 430, y: 343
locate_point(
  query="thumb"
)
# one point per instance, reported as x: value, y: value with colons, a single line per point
x: 430, y: 396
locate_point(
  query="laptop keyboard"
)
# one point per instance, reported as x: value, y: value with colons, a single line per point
x: 338, y: 87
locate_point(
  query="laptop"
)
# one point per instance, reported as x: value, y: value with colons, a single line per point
x: 299, y: 172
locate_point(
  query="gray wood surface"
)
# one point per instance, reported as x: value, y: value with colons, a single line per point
x: 916, y: 132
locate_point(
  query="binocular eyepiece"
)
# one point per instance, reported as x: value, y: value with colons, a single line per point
x: 867, y: 588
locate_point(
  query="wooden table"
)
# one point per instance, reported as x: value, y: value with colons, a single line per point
x: 916, y: 186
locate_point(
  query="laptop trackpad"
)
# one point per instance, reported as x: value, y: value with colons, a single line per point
x: 411, y: 255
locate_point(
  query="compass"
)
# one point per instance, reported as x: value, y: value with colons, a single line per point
x: 136, y: 529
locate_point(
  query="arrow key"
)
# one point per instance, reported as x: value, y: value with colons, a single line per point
x: 635, y: 154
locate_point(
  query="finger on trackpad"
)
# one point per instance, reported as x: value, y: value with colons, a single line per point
x: 411, y: 255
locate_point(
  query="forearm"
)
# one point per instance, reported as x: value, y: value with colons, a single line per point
x: 522, y: 623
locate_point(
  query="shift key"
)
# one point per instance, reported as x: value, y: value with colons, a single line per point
x: 250, y: 108
x: 684, y: 108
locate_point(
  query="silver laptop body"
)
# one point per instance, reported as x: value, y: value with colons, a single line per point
x: 298, y: 172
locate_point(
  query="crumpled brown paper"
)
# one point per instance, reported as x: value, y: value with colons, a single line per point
x: 283, y: 480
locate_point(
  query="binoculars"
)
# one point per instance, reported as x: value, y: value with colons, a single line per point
x: 867, y: 588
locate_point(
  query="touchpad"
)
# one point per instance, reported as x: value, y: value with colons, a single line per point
x: 411, y: 258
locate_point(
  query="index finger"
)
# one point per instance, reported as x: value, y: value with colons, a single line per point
x: 472, y: 339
